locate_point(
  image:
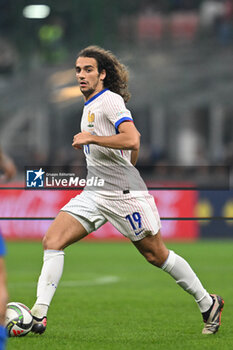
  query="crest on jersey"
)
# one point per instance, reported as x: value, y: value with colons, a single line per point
x: 91, y: 119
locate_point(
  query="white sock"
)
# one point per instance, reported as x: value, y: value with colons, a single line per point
x: 39, y: 310
x: 181, y: 271
x: 48, y: 281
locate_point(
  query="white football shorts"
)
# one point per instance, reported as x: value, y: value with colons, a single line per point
x: 134, y: 217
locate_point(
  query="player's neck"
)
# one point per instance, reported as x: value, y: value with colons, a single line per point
x: 87, y: 97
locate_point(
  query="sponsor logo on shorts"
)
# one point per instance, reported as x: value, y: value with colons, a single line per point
x: 138, y: 232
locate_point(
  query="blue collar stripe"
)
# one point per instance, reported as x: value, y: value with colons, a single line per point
x: 94, y: 97
x: 123, y: 119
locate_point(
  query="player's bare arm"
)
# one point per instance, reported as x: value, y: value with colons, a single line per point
x: 134, y: 156
x: 7, y: 166
x: 127, y: 139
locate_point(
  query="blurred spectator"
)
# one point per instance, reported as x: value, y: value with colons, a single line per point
x: 229, y: 9
x: 7, y: 167
x: 226, y: 26
x: 217, y: 16
x: 7, y: 56
x: 210, y: 12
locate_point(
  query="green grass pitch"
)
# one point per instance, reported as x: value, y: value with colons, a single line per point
x: 110, y: 298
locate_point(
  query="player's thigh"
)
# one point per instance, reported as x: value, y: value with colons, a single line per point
x: 64, y: 231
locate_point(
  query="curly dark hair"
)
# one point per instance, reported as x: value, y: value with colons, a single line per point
x: 117, y: 74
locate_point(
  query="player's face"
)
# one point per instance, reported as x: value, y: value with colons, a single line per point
x: 89, y: 79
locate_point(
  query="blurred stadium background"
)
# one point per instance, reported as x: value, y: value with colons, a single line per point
x: 179, y: 54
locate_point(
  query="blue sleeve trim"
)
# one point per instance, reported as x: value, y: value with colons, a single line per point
x: 3, y: 335
x: 118, y: 122
x: 2, y: 246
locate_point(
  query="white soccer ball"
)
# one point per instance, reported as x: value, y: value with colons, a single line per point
x: 18, y: 320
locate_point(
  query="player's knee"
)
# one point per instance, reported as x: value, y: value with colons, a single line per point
x: 3, y: 301
x: 45, y: 243
x: 50, y: 243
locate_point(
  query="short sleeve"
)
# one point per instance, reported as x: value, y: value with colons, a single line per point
x: 115, y: 110
x: 2, y: 246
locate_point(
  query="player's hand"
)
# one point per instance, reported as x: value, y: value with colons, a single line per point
x: 80, y: 139
x: 8, y: 168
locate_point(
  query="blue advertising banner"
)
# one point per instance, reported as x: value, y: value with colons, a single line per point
x: 215, y: 204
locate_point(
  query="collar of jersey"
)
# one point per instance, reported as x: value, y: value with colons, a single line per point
x: 95, y: 96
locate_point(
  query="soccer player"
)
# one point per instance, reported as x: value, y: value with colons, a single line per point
x: 8, y: 169
x: 3, y: 295
x: 111, y: 144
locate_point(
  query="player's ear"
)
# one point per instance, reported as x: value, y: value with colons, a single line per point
x: 103, y: 75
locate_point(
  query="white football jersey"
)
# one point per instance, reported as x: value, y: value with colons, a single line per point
x: 102, y: 115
